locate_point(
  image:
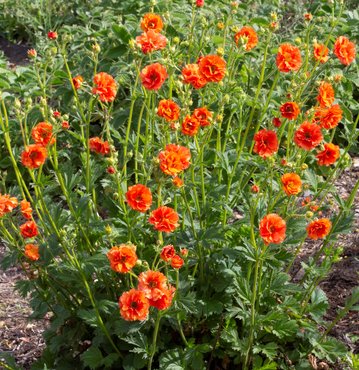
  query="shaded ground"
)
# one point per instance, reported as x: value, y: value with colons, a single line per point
x: 16, y: 54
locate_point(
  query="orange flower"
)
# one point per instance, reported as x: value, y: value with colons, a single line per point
x: 290, y: 110
x: 288, y: 58
x: 326, y: 94
x: 344, y: 50
x: 122, y: 258
x: 32, y: 252
x: 177, y: 262
x: 7, y: 204
x: 151, y: 21
x: 308, y: 16
x: 328, y: 155
x: 202, y: 115
x: 319, y: 229
x: 192, y: 75
x: 167, y: 252
x: 174, y: 159
x: 291, y: 183
x: 26, y: 209
x: 272, y: 229
x: 139, y: 197
x: 166, y: 299
x: 164, y: 219
x: 99, y: 146
x: 153, y: 76
x: 42, y: 133
x: 106, y: 87
x: 190, y: 126
x: 320, y: 52
x: 184, y: 252
x: 177, y: 182
x: 28, y: 229
x: 255, y: 188
x: 150, y: 41
x: 32, y: 53
x: 152, y: 283
x: 168, y: 110
x: 248, y: 36
x: 65, y: 125
x: 308, y: 135
x: 52, y: 35
x: 329, y: 117
x: 276, y: 122
x: 77, y: 81
x: 266, y: 143
x: 134, y: 305
x: 212, y: 67
x: 34, y: 156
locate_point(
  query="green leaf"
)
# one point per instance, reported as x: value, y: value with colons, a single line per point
x: 92, y: 357
x: 269, y: 349
x: 122, y: 33
x: 319, y: 304
x: 171, y: 360
x: 285, y: 329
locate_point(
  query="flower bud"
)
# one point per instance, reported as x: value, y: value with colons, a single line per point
x: 96, y: 48
x: 309, y: 214
x: 304, y: 166
x: 108, y: 229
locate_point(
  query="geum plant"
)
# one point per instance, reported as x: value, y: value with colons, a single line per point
x: 157, y: 215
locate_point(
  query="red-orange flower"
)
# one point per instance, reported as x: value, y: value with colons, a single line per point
x: 99, y: 146
x: 153, y: 76
x: 150, y: 41
x: 34, y: 156
x: 166, y: 299
x: 192, y: 75
x: 134, y: 305
x: 291, y: 183
x: 308, y: 136
x: 177, y: 182
x: 42, y: 133
x: 190, y: 126
x: 319, y: 229
x: 326, y: 95
x: 168, y: 110
x: 174, y: 159
x: 152, y: 283
x: 272, y: 229
x: 122, y: 258
x: 203, y: 115
x: 105, y: 87
x: 249, y: 37
x: 139, y: 197
x: 320, y: 52
x: 26, y: 209
x: 52, y: 35
x: 151, y: 21
x: 177, y: 262
x: 328, y: 155
x: 288, y: 58
x: 344, y: 50
x: 167, y: 252
x: 290, y: 110
x: 28, y: 229
x: 164, y: 219
x: 32, y: 252
x: 266, y: 143
x: 212, y: 67
x: 77, y: 81
x: 7, y: 204
x: 276, y: 122
x: 329, y: 117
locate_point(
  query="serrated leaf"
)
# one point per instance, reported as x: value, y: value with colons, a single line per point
x: 92, y: 358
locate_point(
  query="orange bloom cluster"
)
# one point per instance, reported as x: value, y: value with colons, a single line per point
x: 168, y: 254
x: 32, y: 252
x: 164, y: 219
x: 26, y: 209
x: 168, y: 110
x: 328, y: 155
x: 153, y: 76
x: 344, y: 50
x: 34, y: 156
x: 320, y: 52
x: 272, y: 229
x: 150, y: 41
x: 266, y: 143
x: 288, y: 58
x: 291, y: 183
x: 7, y: 204
x: 122, y: 258
x: 199, y: 118
x: 78, y: 81
x: 105, y: 87
x: 134, y: 305
x: 192, y: 75
x: 174, y: 159
x: 325, y: 95
x: 203, y: 115
x: 290, y: 110
x: 139, y: 197
x: 151, y: 21
x: 328, y: 117
x: 99, y: 146
x: 29, y: 229
x: 42, y: 134
x: 308, y: 136
x: 319, y: 229
x: 276, y: 122
x: 248, y: 36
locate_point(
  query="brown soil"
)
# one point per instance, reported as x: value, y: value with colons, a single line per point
x: 15, y: 53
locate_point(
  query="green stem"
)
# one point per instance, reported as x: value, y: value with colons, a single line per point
x: 154, y: 341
